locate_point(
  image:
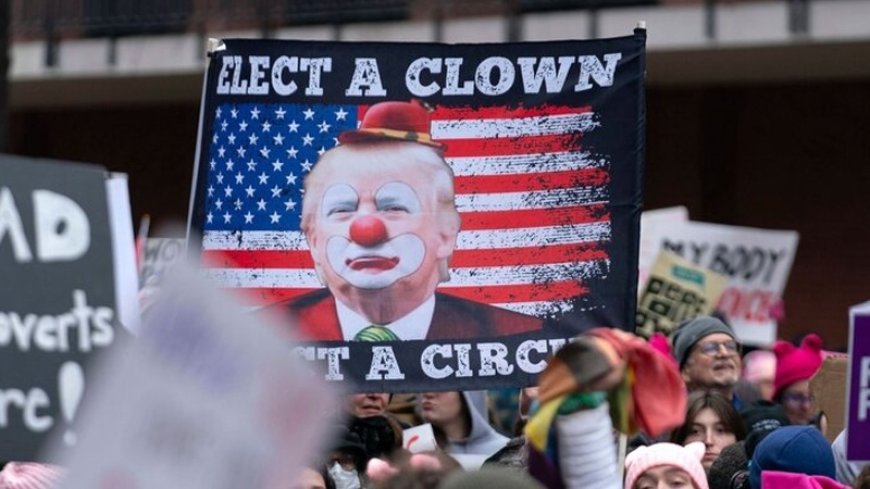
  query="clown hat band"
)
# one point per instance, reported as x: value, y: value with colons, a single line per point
x: 394, y: 121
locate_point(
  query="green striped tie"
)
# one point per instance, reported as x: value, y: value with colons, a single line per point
x: 376, y: 333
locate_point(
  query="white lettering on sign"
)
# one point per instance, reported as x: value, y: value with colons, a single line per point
x: 384, y: 366
x: 496, y: 75
x: 63, y: 232
x: 28, y: 403
x: 81, y: 329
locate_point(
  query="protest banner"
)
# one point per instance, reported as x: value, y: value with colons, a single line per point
x: 478, y: 203
x: 757, y: 262
x: 65, y: 289
x: 858, y: 385
x: 676, y: 290
x: 649, y: 247
x: 198, y: 402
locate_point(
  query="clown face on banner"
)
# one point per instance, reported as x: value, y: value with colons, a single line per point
x: 381, y: 223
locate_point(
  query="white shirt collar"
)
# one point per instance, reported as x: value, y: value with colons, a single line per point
x: 412, y: 326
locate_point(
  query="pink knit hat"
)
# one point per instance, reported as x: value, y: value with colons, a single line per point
x: 26, y: 475
x: 796, y: 364
x: 687, y: 458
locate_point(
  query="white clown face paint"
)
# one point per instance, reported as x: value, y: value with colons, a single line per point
x: 376, y: 226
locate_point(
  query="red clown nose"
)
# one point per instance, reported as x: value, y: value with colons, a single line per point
x: 368, y: 231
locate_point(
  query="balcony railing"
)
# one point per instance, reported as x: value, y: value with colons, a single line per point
x: 58, y: 19
x: 114, y: 18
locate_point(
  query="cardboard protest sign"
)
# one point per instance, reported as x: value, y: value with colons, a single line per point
x: 858, y: 382
x: 828, y: 386
x: 197, y: 402
x: 676, y: 290
x: 757, y: 262
x: 63, y: 292
x: 466, y: 208
x: 648, y: 251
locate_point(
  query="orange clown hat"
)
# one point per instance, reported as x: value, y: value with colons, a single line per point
x: 401, y: 121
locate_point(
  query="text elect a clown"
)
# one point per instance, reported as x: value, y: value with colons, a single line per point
x: 495, y: 75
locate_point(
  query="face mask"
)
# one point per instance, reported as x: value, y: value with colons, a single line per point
x: 344, y: 479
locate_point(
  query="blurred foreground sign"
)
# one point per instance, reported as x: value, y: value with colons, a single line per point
x: 67, y: 281
x: 757, y: 262
x: 858, y: 407
x: 205, y: 398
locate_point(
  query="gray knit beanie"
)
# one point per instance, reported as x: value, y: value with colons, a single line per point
x: 691, y: 331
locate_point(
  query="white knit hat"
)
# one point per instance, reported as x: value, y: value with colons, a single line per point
x: 687, y: 458
x: 27, y: 475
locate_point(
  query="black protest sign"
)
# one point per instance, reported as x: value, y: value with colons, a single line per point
x: 480, y: 203
x: 57, y: 296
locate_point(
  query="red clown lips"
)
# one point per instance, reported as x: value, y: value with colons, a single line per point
x: 373, y: 263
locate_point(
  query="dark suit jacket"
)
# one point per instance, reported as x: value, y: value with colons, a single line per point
x: 316, y: 318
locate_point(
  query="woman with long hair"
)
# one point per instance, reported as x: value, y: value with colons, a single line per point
x: 712, y: 420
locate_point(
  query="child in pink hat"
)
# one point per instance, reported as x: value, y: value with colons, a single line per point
x: 666, y: 464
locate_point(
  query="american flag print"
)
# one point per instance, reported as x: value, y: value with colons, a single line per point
x: 534, y: 201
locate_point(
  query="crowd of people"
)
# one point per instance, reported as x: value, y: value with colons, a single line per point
x: 611, y: 410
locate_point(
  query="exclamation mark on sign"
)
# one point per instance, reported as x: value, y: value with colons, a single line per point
x: 71, y: 383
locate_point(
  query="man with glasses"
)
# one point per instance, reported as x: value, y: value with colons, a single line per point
x: 709, y: 356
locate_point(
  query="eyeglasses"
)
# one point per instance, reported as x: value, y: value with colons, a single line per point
x: 795, y: 398
x: 711, y: 348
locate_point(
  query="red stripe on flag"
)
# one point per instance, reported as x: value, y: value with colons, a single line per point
x: 258, y: 259
x: 446, y: 113
x: 518, y: 293
x: 264, y: 296
x: 457, y: 148
x: 558, y: 216
x: 493, y: 294
x: 528, y: 182
x: 533, y: 255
